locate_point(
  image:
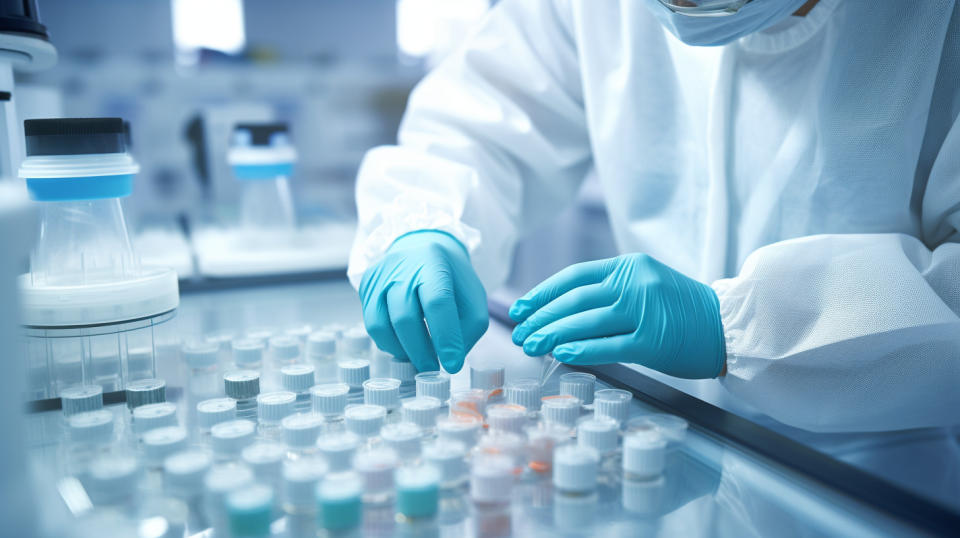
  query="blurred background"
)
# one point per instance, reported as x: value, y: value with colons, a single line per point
x: 183, y: 72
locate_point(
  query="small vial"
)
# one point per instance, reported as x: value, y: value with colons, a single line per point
x: 212, y: 412
x: 601, y: 434
x: 248, y: 353
x: 284, y: 350
x: 422, y: 411
x: 524, y: 392
x: 542, y: 441
x: 321, y: 351
x: 468, y: 403
x: 507, y: 418
x: 507, y: 444
x: 298, y: 378
x: 339, y: 504
x: 643, y: 455
x: 613, y: 403
x: 356, y: 344
x: 671, y: 427
x: 300, y: 433
x: 330, y: 401
x: 112, y: 482
x: 201, y: 357
x: 376, y: 466
x: 365, y: 421
x: 575, y: 470
x: 220, y: 481
x: 488, y: 379
x: 354, y: 372
x: 90, y: 436
x: 404, y: 439
x: 418, y: 491
x: 272, y: 407
x: 152, y: 416
x: 406, y: 372
x: 158, y: 444
x: 146, y: 391
x: 491, y: 480
x: 563, y: 410
x: 434, y: 384
x: 299, y: 500
x: 384, y: 392
x: 580, y: 385
x: 465, y: 429
x: 230, y: 438
x: 449, y: 457
x: 265, y: 459
x: 338, y: 451
x: 250, y: 511
x: 183, y: 474
x: 81, y: 399
x: 244, y: 387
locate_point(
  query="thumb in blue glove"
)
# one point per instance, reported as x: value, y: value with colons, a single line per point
x: 631, y: 308
x: 423, y: 301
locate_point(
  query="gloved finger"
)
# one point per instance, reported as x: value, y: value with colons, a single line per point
x: 376, y: 319
x: 603, y: 350
x: 595, y: 323
x: 574, y: 276
x: 576, y: 300
x: 406, y: 317
x: 437, y: 297
x: 473, y: 310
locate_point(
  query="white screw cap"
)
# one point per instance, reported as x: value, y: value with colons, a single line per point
x: 644, y: 454
x: 382, y: 391
x: 214, y: 411
x: 272, y: 407
x: 575, y: 468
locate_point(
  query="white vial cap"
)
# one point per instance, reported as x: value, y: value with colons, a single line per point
x: 151, y: 416
x: 265, y: 459
x: 365, y: 420
x: 273, y: 406
x: 356, y: 342
x: 338, y: 450
x: 301, y: 430
x: 507, y: 418
x: 162, y: 442
x: 200, y: 354
x: 329, y: 399
x: 422, y: 411
x: 403, y: 438
x: 598, y: 433
x: 92, y: 427
x: 486, y: 378
x: 242, y: 384
x: 81, y: 399
x: 376, y: 467
x: 224, y: 478
x: 465, y: 430
x: 524, y: 392
x: 247, y: 352
x: 321, y: 344
x: 232, y: 436
x: 643, y: 454
x: 112, y: 479
x: 297, y: 377
x: 449, y: 457
x: 563, y: 409
x: 491, y: 478
x: 183, y: 472
x: 402, y: 369
x: 580, y: 385
x: 214, y: 411
x: 575, y: 468
x: 284, y: 348
x: 300, y: 332
x: 433, y: 384
x: 613, y: 403
x: 382, y: 391
x: 354, y: 372
x: 146, y: 391
x: 300, y: 480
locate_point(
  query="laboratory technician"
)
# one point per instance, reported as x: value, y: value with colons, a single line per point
x: 783, y: 178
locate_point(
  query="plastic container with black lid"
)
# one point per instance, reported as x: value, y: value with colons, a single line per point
x: 262, y: 158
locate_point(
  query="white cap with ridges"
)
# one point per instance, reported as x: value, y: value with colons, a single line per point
x: 214, y: 411
x: 598, y: 433
x: 613, y: 403
x: 321, y: 344
x: 365, y: 420
x: 329, y: 399
x: 297, y: 377
x: 563, y: 409
x: 575, y: 468
x: 273, y: 406
x: 284, y: 348
x: 525, y: 392
x: 382, y: 391
x: 402, y: 369
x: 151, y: 416
x: 199, y: 355
x: 247, y: 352
x: 487, y: 378
x: 433, y: 384
x: 183, y: 472
x: 422, y: 411
x: 580, y: 385
x: 265, y: 459
x: 162, y: 442
x: 81, y: 399
x: 643, y: 454
x: 354, y: 372
x: 450, y: 458
x: 301, y: 430
x: 507, y: 417
x: 229, y: 438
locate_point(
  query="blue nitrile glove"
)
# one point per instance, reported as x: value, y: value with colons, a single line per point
x: 425, y: 275
x: 631, y: 308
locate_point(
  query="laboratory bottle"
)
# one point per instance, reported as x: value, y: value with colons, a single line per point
x: 613, y: 403
x: 300, y: 434
x: 422, y: 411
x: 140, y: 393
x: 405, y: 439
x: 212, y: 412
x: 436, y: 385
x: 490, y: 380
x: 265, y: 459
x: 562, y: 410
x: 228, y: 439
x: 338, y: 451
x: 299, y: 500
x: 330, y: 401
x: 248, y: 353
x: 272, y: 408
x: 218, y: 483
x: 602, y: 435
x: 183, y: 475
x: 90, y: 435
x: 158, y: 444
x: 644, y: 455
x: 365, y: 421
x: 418, y: 493
x: 384, y: 392
x: 250, y: 511
x: 149, y: 417
x: 298, y: 378
x: 581, y: 386
x: 354, y: 372
x: 80, y: 399
x: 321, y: 351
x: 340, y: 506
x: 243, y: 386
x: 262, y: 159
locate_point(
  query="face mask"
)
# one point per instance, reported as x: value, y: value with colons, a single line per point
x: 706, y: 23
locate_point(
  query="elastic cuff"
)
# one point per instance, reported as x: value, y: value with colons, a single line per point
x: 729, y: 307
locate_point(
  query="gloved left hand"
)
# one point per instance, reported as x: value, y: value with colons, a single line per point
x: 631, y: 308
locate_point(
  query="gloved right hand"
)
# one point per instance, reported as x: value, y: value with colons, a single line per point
x: 425, y: 276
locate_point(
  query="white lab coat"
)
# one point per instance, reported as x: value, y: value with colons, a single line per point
x: 811, y: 172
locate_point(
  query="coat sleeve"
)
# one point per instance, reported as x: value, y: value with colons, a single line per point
x: 494, y: 140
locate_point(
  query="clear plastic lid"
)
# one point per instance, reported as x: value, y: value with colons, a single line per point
x: 382, y: 391
x: 525, y: 392
x: 580, y: 385
x: 468, y: 403
x: 562, y: 409
x: 433, y: 384
x: 613, y: 403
